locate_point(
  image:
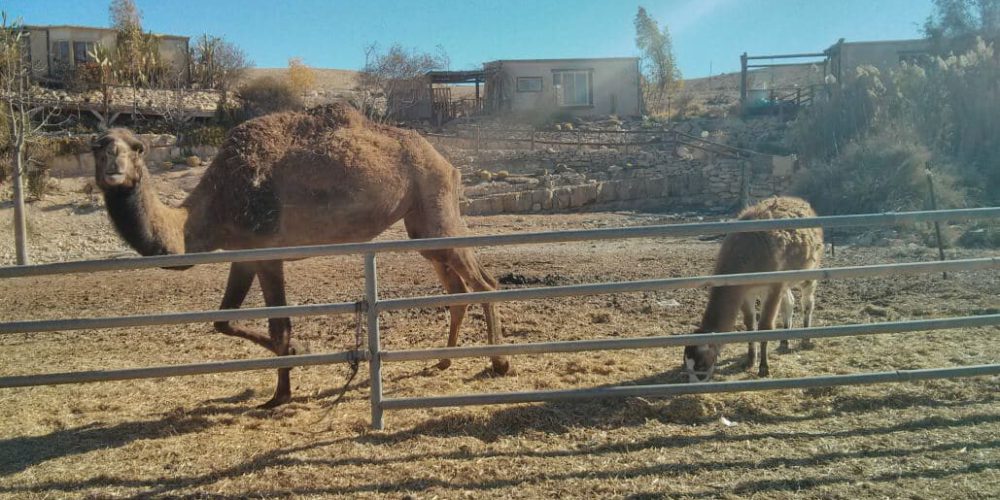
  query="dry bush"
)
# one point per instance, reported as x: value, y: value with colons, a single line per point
x: 266, y: 95
x: 885, y: 172
x: 301, y: 77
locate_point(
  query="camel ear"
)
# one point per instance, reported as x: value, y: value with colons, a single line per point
x: 136, y: 145
x: 101, y: 142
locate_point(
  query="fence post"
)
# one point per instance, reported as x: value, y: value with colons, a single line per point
x: 374, y: 343
x: 745, y: 184
x: 479, y: 138
x: 937, y: 225
x: 532, y: 139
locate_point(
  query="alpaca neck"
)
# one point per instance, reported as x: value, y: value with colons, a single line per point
x: 146, y: 223
x: 723, y: 305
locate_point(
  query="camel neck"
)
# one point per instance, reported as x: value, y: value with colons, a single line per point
x: 723, y: 305
x: 146, y: 223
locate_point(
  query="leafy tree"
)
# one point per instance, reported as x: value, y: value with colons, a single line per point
x: 955, y: 24
x: 124, y: 13
x: 659, y: 69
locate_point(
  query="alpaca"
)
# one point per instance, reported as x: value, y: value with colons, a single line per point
x: 761, y: 251
x: 298, y: 178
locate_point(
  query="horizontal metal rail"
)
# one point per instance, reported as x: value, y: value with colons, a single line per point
x: 50, y: 325
x: 692, y: 229
x: 692, y: 339
x: 180, y: 370
x: 687, y: 282
x: 661, y: 390
x: 789, y: 56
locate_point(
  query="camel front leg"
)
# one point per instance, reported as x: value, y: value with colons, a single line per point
x: 452, y: 283
x: 272, y: 284
x: 241, y: 275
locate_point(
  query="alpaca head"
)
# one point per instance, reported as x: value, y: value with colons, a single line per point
x: 699, y: 361
x: 118, y: 159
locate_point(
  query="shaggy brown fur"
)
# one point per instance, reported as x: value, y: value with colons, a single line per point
x: 762, y: 251
x: 318, y: 177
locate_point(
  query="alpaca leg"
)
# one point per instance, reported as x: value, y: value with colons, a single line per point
x: 768, y: 316
x: 241, y: 275
x: 272, y: 284
x: 472, y: 272
x: 452, y: 283
x: 787, y: 314
x: 808, y: 305
x: 749, y: 310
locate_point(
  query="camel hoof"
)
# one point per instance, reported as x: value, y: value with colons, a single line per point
x: 783, y: 348
x: 501, y: 366
x: 275, y: 402
x: 296, y: 348
x: 807, y: 344
x: 443, y: 364
x: 763, y: 372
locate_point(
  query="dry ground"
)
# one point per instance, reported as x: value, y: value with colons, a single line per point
x: 201, y: 436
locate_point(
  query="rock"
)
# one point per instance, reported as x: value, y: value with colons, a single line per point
x: 193, y: 161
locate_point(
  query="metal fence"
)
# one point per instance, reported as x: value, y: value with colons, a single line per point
x: 372, y: 307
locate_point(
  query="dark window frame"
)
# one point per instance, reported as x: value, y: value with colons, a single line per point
x: 541, y: 84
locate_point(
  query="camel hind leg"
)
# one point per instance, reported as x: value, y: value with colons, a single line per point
x: 749, y: 311
x: 272, y: 284
x: 808, y: 305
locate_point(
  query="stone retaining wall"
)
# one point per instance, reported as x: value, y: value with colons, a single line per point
x: 162, y: 148
x: 540, y: 181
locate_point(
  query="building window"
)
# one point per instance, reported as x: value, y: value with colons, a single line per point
x: 82, y: 52
x: 574, y: 87
x: 60, y: 52
x: 529, y: 84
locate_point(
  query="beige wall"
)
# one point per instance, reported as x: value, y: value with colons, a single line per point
x: 615, y: 86
x: 172, y: 49
x: 882, y: 55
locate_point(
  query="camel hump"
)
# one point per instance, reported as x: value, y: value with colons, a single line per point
x: 338, y: 114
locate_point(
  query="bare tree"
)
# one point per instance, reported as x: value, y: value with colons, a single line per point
x: 24, y: 119
x: 177, y: 112
x: 392, y: 81
x: 218, y: 64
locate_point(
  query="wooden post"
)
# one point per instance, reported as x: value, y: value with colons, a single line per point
x: 479, y: 139
x: 937, y: 225
x: 743, y: 80
x: 532, y: 139
x: 745, y: 185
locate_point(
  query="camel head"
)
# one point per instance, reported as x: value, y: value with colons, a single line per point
x: 118, y: 159
x: 699, y: 361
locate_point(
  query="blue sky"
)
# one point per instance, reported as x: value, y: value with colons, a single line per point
x: 333, y: 33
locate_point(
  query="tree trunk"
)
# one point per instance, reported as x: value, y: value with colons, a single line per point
x: 20, y: 228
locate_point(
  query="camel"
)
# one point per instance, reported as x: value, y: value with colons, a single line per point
x: 761, y: 251
x: 323, y: 176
